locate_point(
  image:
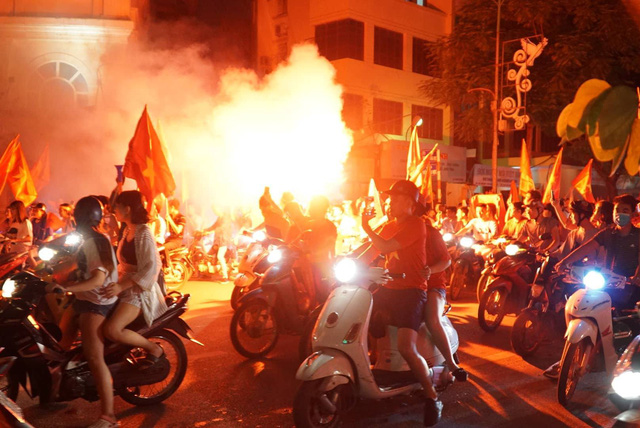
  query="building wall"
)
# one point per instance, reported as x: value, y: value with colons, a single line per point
x: 52, y: 50
x: 281, y: 24
x: 280, y: 27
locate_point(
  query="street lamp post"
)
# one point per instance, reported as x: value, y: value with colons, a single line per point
x: 494, y: 106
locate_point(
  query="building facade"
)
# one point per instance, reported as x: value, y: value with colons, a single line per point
x: 378, y: 50
x: 52, y: 50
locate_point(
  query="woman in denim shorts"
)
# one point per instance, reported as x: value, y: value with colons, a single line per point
x: 97, y: 266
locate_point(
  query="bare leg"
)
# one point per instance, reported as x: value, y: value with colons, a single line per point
x: 407, y: 347
x: 114, y: 329
x: 222, y: 251
x: 69, y: 328
x: 433, y: 312
x: 93, y: 347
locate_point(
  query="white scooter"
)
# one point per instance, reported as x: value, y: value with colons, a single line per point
x: 339, y: 370
x: 592, y: 329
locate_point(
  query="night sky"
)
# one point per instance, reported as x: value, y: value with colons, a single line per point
x: 222, y: 25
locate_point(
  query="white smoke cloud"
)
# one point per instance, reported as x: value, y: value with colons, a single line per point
x: 229, y: 133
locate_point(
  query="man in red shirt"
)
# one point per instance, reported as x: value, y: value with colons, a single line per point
x: 402, y: 241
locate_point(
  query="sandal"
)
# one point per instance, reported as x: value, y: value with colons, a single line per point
x: 103, y: 422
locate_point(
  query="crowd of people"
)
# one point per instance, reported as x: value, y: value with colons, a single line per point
x: 120, y: 264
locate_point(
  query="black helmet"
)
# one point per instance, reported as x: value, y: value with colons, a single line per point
x: 582, y: 207
x: 88, y: 212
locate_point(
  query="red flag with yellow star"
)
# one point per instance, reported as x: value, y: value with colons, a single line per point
x: 146, y: 162
x: 15, y: 171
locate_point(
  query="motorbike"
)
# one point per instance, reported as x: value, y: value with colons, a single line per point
x: 52, y: 374
x: 625, y: 386
x: 339, y: 370
x: 543, y: 319
x: 508, y: 292
x: 10, y: 413
x: 467, y: 268
x: 285, y: 302
x: 253, y: 264
x: 176, y: 266
x: 597, y: 332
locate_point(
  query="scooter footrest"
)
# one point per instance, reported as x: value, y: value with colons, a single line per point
x: 391, y: 380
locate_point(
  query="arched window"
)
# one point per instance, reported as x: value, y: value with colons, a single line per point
x: 59, y: 87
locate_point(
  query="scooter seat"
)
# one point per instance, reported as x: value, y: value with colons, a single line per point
x: 139, y: 325
x: 386, y: 379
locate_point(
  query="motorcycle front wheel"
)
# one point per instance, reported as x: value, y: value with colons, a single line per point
x: 176, y: 354
x: 315, y: 408
x: 525, y: 334
x: 485, y: 278
x: 573, y: 367
x: 492, y: 308
x: 458, y: 281
x: 254, y: 329
x: 177, y: 276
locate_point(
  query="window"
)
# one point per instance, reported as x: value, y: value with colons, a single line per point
x: 432, y: 121
x: 341, y: 39
x: 352, y: 111
x: 387, y: 48
x: 422, y: 62
x: 58, y: 87
x: 387, y: 116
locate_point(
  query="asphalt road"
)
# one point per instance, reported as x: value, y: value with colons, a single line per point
x: 223, y: 389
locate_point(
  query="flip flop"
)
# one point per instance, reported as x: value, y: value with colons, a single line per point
x: 104, y: 423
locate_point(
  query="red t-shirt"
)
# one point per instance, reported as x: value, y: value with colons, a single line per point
x: 410, y: 259
x: 436, y: 251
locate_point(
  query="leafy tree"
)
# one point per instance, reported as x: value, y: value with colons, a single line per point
x: 587, y: 39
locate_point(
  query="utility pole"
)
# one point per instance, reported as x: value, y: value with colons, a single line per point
x: 494, y: 106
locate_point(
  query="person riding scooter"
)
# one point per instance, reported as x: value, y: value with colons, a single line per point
x: 402, y: 241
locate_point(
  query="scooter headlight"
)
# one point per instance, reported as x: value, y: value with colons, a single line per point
x: 467, y: 242
x: 511, y: 249
x: 345, y: 270
x: 593, y: 280
x: 8, y: 288
x: 274, y: 256
x: 72, y: 239
x: 447, y: 237
x: 627, y: 385
x: 259, y: 236
x: 46, y: 253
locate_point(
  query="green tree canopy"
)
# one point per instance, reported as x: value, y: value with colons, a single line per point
x: 587, y: 39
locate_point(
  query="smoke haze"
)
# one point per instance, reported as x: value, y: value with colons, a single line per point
x: 228, y: 132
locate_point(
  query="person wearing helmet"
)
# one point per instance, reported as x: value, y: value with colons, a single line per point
x: 402, y: 241
x: 97, y: 267
x: 580, y: 213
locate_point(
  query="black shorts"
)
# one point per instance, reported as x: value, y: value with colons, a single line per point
x: 400, y: 308
x: 84, y: 306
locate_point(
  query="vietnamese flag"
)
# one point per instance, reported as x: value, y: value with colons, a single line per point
x: 582, y: 183
x: 413, y: 157
x: 41, y: 171
x: 15, y: 171
x: 553, y: 184
x: 146, y: 162
x: 526, y: 179
x: 513, y: 194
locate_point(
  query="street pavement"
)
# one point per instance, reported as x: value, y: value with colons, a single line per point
x: 223, y: 389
